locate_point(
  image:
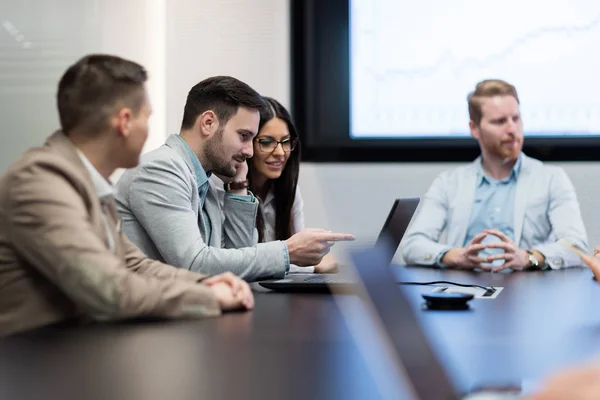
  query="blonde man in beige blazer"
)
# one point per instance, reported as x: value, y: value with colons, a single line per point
x: 63, y: 256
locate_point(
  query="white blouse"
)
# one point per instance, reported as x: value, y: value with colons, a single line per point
x: 268, y: 211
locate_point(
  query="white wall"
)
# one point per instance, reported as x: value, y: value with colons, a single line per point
x: 40, y: 39
x: 247, y: 39
x: 244, y: 38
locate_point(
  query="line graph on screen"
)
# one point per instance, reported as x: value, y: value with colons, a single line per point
x: 412, y: 67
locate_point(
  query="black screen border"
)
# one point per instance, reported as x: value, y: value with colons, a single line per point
x: 320, y: 88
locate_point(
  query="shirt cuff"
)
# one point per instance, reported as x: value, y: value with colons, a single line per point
x: 557, y: 256
x: 438, y: 259
x: 286, y: 256
x: 249, y: 198
x: 294, y: 269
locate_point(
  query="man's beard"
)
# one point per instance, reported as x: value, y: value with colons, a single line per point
x: 225, y: 169
x: 215, y: 156
x: 511, y: 153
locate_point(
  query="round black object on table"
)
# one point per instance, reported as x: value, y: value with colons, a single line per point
x: 447, y: 301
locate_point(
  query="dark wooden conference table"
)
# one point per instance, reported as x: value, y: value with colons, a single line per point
x: 300, y: 346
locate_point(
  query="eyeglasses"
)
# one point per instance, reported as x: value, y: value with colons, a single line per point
x: 268, y: 145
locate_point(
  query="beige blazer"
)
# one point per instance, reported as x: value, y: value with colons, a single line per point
x: 55, y: 259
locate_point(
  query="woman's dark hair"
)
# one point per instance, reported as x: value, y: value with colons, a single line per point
x: 284, y: 187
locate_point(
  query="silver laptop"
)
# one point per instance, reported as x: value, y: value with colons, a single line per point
x: 391, y: 233
x: 399, y: 322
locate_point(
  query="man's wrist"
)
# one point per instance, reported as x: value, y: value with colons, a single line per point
x: 237, y: 187
x: 291, y: 249
x: 540, y: 258
x: 445, y: 258
x: 536, y: 260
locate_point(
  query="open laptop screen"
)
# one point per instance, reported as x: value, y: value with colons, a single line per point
x: 397, y: 222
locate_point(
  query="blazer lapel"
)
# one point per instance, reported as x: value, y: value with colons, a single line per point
x: 524, y: 184
x: 461, y: 213
x: 176, y: 144
x: 213, y: 212
x: 202, y: 222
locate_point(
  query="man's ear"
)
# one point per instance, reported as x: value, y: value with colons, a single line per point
x: 474, y: 128
x: 123, y: 121
x: 208, y: 123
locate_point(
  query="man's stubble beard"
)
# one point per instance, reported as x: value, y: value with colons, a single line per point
x: 213, y: 152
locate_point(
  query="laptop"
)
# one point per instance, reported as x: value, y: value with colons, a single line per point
x: 391, y: 234
x: 423, y: 370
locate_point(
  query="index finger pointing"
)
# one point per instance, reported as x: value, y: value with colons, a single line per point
x: 337, y: 237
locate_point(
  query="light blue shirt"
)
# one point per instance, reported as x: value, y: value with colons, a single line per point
x: 202, y: 181
x: 544, y: 207
x: 493, y: 208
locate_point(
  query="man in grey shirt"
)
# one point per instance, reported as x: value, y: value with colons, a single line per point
x: 171, y: 209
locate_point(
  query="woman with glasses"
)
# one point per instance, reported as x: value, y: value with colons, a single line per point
x: 273, y: 176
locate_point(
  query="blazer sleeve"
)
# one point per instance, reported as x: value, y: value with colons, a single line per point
x: 421, y: 244
x: 239, y: 215
x: 239, y: 224
x: 565, y: 217
x: 49, y: 225
x: 161, y: 201
x: 137, y: 261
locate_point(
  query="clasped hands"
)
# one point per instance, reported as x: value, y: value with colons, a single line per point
x: 468, y: 257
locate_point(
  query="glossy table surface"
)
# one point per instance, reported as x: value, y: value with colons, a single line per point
x: 302, y: 346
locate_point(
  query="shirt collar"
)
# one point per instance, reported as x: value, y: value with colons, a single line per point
x: 201, y: 175
x: 514, y: 175
x: 103, y: 187
x: 269, y: 198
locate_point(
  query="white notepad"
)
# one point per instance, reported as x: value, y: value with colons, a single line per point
x: 475, y: 291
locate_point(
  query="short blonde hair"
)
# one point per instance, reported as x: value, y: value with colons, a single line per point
x: 486, y: 89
